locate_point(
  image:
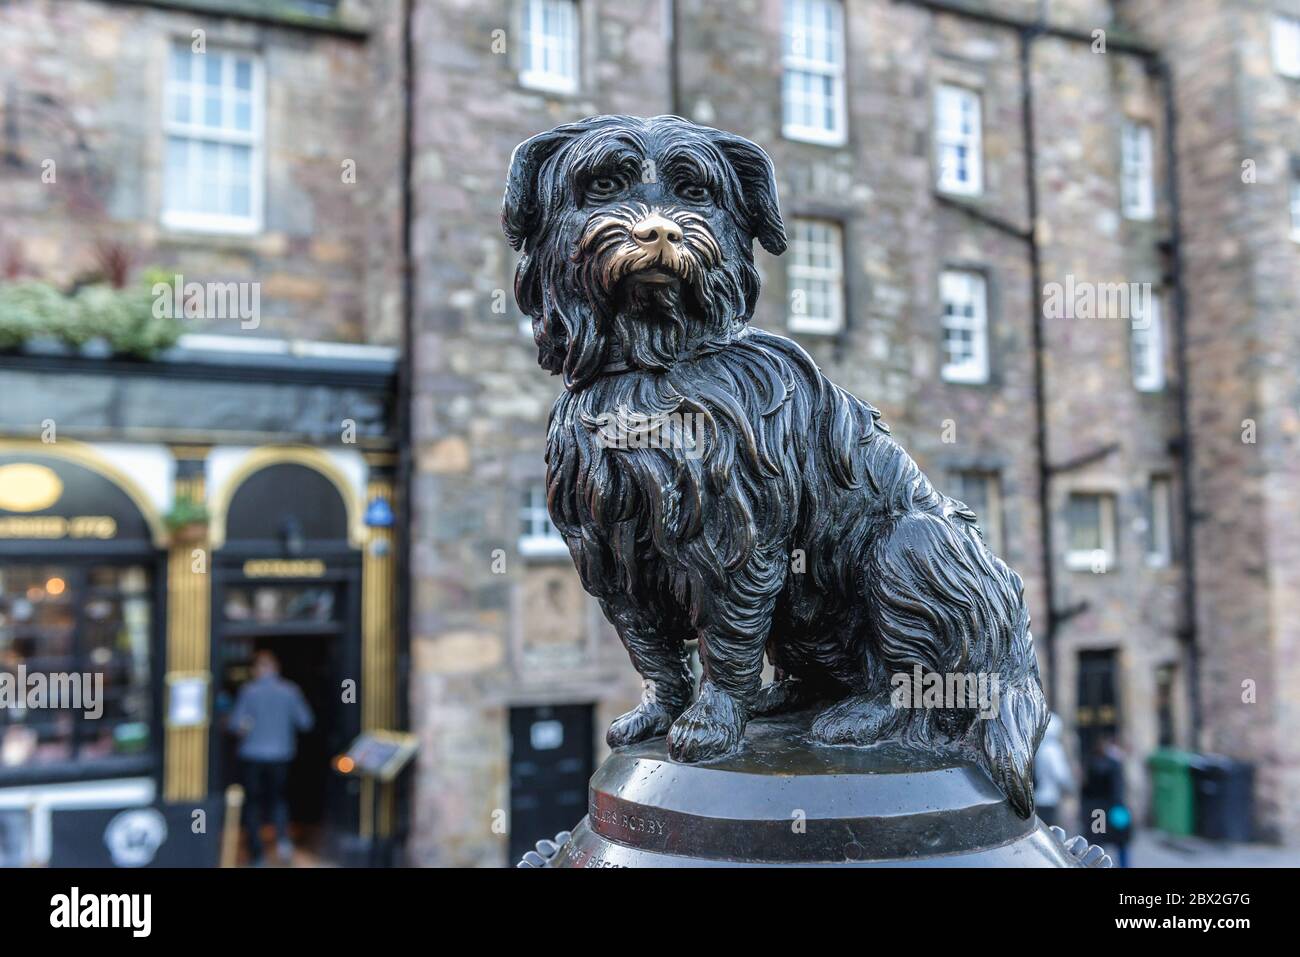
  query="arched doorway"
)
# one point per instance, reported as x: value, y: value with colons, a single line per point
x: 286, y: 580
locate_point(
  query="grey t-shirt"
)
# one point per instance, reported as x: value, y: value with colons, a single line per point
x: 269, y: 713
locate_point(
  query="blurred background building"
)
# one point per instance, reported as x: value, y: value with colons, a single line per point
x: 979, y: 197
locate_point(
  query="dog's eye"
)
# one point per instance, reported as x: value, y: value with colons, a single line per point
x: 603, y: 187
x: 694, y: 193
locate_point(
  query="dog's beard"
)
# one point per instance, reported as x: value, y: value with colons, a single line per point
x: 650, y: 330
x: 612, y: 304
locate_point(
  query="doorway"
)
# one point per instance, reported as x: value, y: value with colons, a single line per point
x: 1097, y: 716
x: 305, y: 624
x: 551, y: 763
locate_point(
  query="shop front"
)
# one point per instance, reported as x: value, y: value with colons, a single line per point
x: 82, y: 580
x: 201, y: 510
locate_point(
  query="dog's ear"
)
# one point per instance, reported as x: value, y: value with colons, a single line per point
x: 521, y: 208
x: 757, y: 179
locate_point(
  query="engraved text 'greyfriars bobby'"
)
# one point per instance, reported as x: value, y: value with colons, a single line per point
x: 759, y: 507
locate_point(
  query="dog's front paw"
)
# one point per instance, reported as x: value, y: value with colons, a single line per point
x: 710, y: 728
x: 646, y: 720
x: 861, y: 719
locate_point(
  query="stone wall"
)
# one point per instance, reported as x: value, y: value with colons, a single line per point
x: 83, y: 85
x: 1239, y: 129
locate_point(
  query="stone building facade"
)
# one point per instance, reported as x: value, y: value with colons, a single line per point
x: 88, y: 90
x: 1118, y: 622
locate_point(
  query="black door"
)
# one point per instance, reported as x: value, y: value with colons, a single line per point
x: 551, y: 761
x: 1097, y: 716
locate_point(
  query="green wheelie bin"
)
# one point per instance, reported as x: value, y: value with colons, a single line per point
x: 1173, y: 796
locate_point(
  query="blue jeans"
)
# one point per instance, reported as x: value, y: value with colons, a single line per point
x: 265, y: 796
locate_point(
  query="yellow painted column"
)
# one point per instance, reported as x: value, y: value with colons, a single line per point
x: 378, y: 628
x: 189, y: 602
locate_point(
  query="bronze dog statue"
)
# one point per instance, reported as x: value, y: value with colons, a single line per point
x: 711, y: 483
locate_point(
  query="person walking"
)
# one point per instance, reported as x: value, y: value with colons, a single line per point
x: 1053, y: 778
x: 269, y: 714
x: 1104, y: 791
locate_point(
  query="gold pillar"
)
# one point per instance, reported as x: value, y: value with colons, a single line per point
x: 378, y: 637
x: 189, y: 601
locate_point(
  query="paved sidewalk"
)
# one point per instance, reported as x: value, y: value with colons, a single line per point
x: 1155, y: 849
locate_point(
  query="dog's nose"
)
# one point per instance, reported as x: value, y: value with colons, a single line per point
x: 656, y: 231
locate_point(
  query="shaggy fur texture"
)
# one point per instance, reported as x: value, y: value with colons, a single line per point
x: 787, y: 520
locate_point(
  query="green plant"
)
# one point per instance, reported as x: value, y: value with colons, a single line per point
x: 28, y: 309
x: 123, y: 318
x: 185, y: 511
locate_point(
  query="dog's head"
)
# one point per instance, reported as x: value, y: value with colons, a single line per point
x: 637, y: 239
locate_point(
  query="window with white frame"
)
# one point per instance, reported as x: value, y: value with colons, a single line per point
x: 816, y: 277
x: 981, y: 491
x: 1295, y: 201
x: 1159, y: 539
x: 1286, y: 45
x: 1137, y: 171
x: 550, y: 47
x: 1147, y: 342
x: 538, y: 535
x: 212, y: 179
x: 812, y: 85
x: 958, y: 138
x: 964, y: 296
x: 1090, y: 518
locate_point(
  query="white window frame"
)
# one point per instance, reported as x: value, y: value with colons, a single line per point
x: 1137, y: 180
x: 950, y: 104
x: 1147, y: 345
x: 1286, y: 45
x: 829, y: 236
x: 539, y: 538
x: 1159, y: 548
x: 1096, y: 560
x: 796, y: 58
x: 965, y: 287
x: 254, y: 138
x: 990, y: 518
x: 539, y: 45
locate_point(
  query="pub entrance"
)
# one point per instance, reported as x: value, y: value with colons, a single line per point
x: 310, y: 625
x: 287, y: 581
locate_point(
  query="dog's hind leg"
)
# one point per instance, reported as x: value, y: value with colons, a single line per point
x: 860, y: 719
x: 785, y: 693
x: 660, y: 659
x: 940, y: 603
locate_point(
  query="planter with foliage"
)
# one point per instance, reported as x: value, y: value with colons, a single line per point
x: 124, y: 319
x: 187, y: 520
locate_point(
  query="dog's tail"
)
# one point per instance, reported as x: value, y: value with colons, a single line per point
x: 943, y: 601
x: 1007, y: 740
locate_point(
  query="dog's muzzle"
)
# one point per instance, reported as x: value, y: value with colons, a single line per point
x: 658, y: 245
